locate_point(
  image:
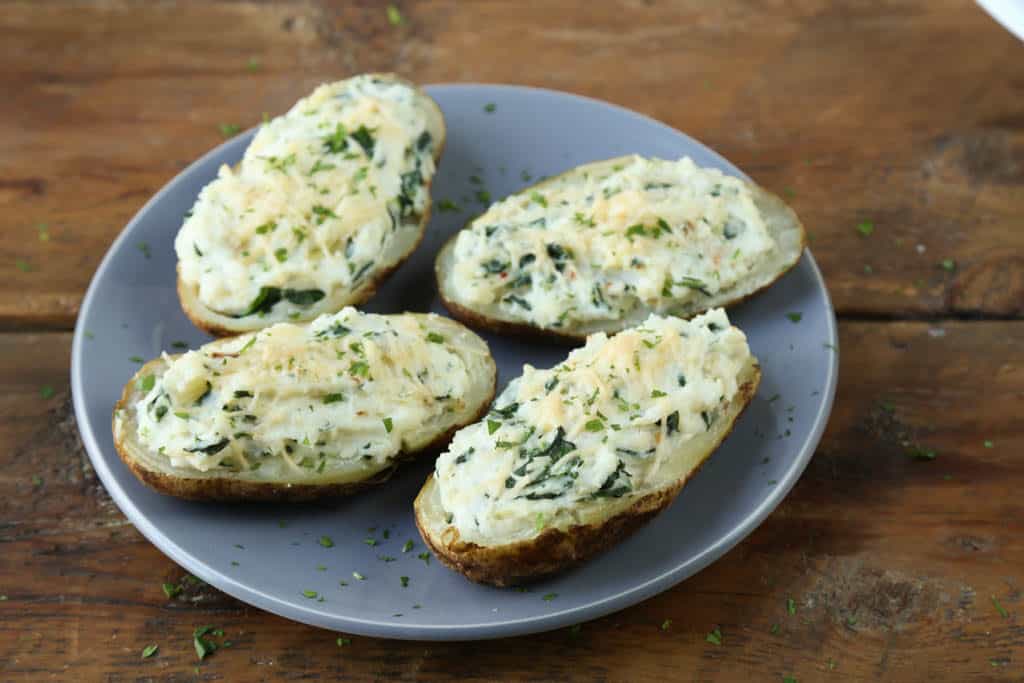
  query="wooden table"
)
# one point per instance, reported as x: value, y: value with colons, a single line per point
x: 904, y: 116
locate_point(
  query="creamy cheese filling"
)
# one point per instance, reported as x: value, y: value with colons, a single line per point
x: 597, y: 426
x: 595, y: 244
x: 320, y: 194
x: 344, y: 390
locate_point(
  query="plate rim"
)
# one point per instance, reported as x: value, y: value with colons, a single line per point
x: 441, y: 632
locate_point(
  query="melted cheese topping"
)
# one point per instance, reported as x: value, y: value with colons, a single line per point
x: 597, y: 426
x: 320, y: 194
x: 343, y: 391
x: 598, y: 242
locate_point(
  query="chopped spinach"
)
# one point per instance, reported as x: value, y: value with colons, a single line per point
x: 672, y: 423
x: 210, y: 449
x: 494, y: 266
x: 615, y: 486
x: 423, y: 141
x: 365, y: 139
x: 513, y: 299
x: 506, y: 412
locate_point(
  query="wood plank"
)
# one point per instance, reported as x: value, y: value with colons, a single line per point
x: 891, y: 562
x: 826, y: 103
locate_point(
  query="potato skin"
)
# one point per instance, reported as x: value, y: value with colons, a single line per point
x: 229, y: 489
x: 481, y: 320
x: 555, y: 550
x: 198, y: 317
x: 201, y: 317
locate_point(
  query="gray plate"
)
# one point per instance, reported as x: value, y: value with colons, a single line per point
x: 131, y: 309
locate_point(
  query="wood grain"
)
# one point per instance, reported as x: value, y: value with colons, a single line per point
x: 891, y: 562
x: 906, y: 114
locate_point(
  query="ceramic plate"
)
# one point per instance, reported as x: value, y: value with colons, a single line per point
x: 268, y: 555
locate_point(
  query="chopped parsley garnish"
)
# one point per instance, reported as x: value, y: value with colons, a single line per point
x: 46, y: 391
x: 310, y: 594
x: 407, y: 547
x: 549, y: 597
x: 137, y: 359
x: 435, y: 338
x: 988, y: 444
x: 666, y: 625
x: 145, y: 384
x: 774, y: 629
x: 269, y: 226
x: 229, y: 130
x: 999, y: 608
x: 583, y: 220
x: 795, y: 317
x: 370, y: 541
x: 538, y: 198
x: 144, y: 248
x: 866, y: 228
x: 715, y: 637
x: 490, y: 107
x: 23, y: 265
x: 342, y: 642
x: 918, y: 452
x: 322, y: 213
x: 359, y: 368
x: 149, y: 651
x: 493, y: 426
x: 388, y: 424
x: 791, y: 606
x: 483, y: 196
x: 594, y: 425
x: 182, y: 415
x: 205, y: 647
x: 179, y: 345
x: 326, y: 541
x: 394, y: 16
x: 281, y: 254
x: 656, y: 393
x: 358, y: 577
x: 425, y: 556
x: 252, y: 65
x: 948, y: 265
x: 445, y: 205
x: 170, y: 590
x: 337, y: 141
x: 404, y: 580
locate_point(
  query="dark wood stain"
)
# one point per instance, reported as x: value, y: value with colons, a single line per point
x: 907, y: 114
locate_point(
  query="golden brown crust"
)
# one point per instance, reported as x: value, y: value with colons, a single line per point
x: 555, y: 550
x: 228, y: 489
x: 368, y: 289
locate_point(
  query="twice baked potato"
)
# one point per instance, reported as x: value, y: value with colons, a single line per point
x: 302, y: 411
x: 602, y: 246
x: 570, y: 460
x: 328, y: 200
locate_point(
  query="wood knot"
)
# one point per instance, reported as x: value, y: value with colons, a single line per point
x: 985, y: 155
x: 994, y: 286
